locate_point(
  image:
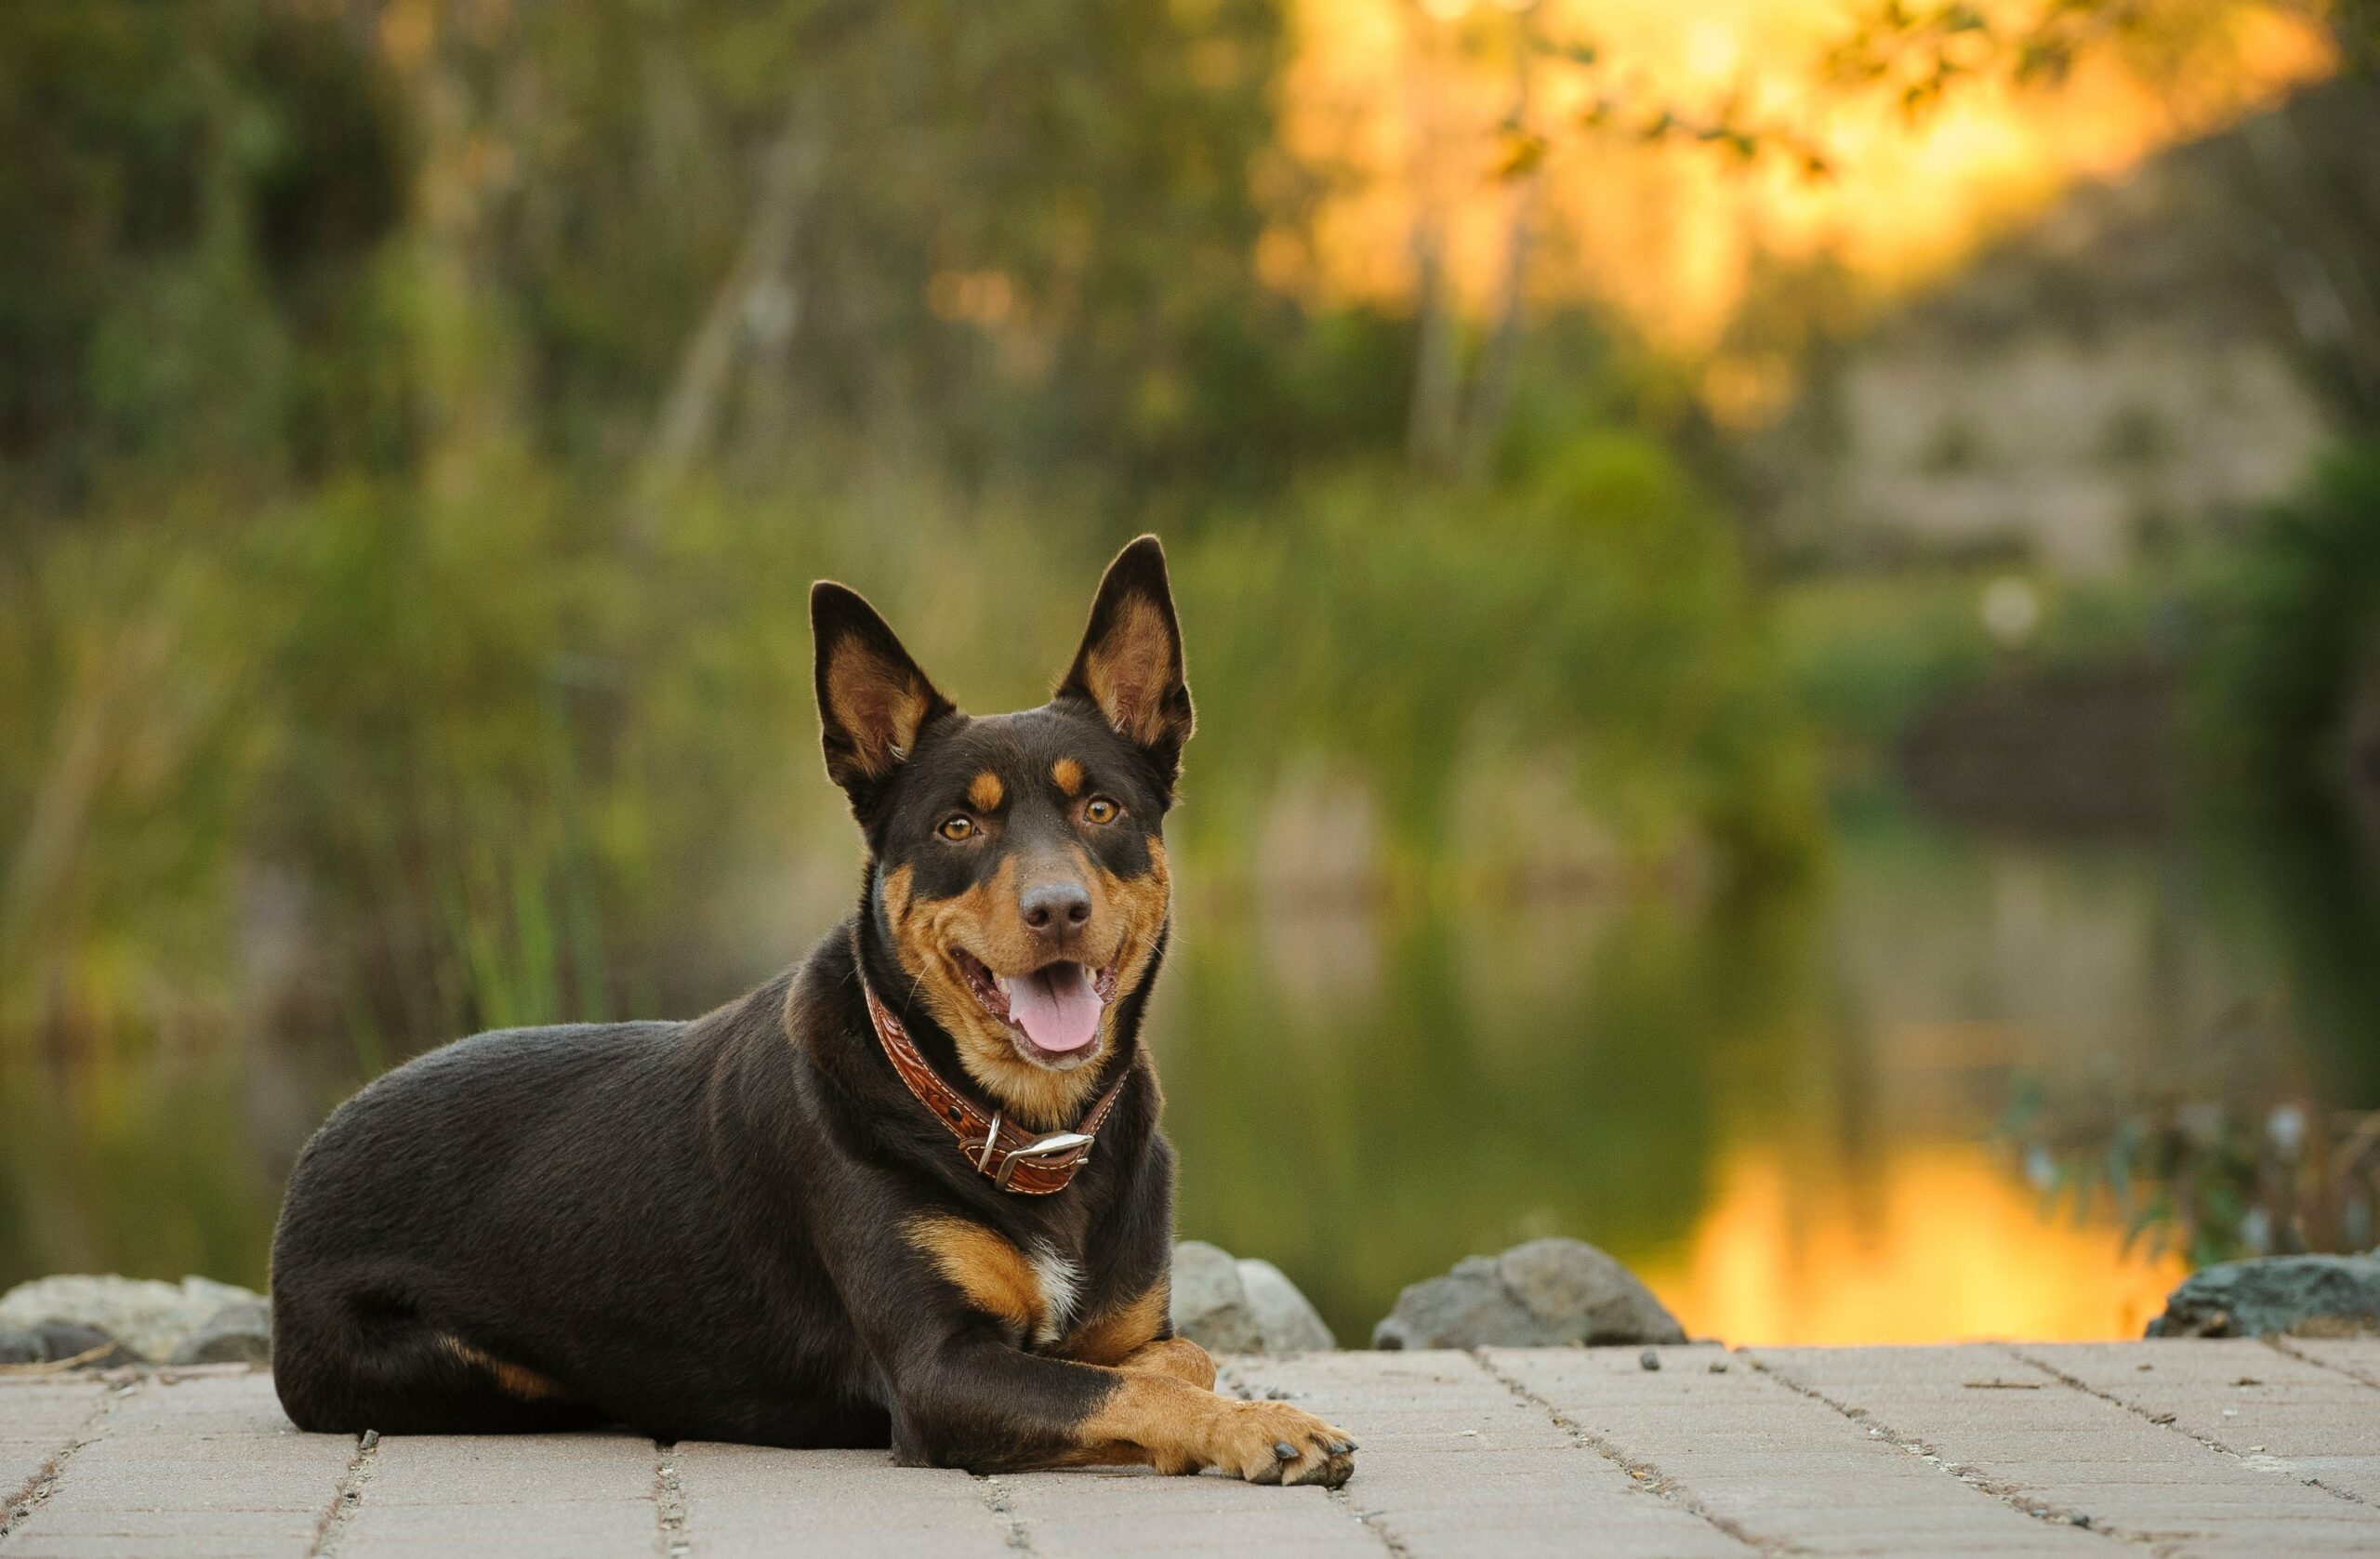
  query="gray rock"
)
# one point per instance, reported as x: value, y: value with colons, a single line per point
x: 150, y: 1318
x: 87, y: 1347
x: 1543, y: 1294
x: 19, y: 1345
x: 1285, y: 1318
x: 1209, y: 1301
x: 1230, y: 1306
x: 2319, y: 1295
x: 239, y: 1333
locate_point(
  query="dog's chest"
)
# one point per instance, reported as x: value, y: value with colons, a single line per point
x: 1058, y: 1278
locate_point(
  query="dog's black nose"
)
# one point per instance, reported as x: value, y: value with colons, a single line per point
x: 1056, y: 908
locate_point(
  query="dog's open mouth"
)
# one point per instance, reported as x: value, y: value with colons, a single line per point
x: 1054, y: 1012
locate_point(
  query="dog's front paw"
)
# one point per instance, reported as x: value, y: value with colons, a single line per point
x: 1271, y: 1442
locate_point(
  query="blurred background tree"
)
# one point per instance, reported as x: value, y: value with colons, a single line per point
x: 419, y: 419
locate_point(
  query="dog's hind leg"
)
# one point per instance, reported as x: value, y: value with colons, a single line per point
x: 354, y: 1360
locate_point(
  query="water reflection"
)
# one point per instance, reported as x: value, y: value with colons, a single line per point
x: 1929, y: 1242
x: 1777, y: 1111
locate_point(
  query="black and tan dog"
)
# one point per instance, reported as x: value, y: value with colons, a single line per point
x: 911, y: 1193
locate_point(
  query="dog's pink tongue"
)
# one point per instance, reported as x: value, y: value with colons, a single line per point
x: 1056, y: 1008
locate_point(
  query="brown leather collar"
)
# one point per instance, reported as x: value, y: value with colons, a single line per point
x: 1009, y: 1158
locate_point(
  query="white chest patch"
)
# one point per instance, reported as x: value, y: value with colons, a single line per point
x: 1061, y: 1283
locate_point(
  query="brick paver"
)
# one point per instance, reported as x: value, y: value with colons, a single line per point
x: 1455, y: 1463
x: 742, y: 1502
x: 2271, y: 1409
x: 2019, y: 1431
x: 1070, y: 1515
x: 526, y: 1496
x: 43, y: 1419
x: 2356, y: 1356
x: 205, y: 1466
x: 1781, y: 1468
x: 2183, y: 1448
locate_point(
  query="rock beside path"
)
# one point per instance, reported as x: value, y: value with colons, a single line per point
x: 2316, y: 1294
x: 154, y: 1323
x: 239, y: 1333
x: 1546, y: 1293
x: 1236, y: 1306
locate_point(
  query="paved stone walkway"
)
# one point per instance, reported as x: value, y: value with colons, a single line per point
x: 2179, y: 1448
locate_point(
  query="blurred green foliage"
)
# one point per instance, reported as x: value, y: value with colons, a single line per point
x: 419, y: 423
x: 2293, y: 646
x: 2284, y: 700
x: 505, y: 772
x: 1598, y: 616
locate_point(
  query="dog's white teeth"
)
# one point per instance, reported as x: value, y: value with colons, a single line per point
x: 1001, y: 981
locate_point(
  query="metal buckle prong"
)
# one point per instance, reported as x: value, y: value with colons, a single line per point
x: 1051, y: 1146
x: 991, y: 1142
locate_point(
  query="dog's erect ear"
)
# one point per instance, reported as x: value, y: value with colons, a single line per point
x: 873, y: 701
x: 1129, y: 665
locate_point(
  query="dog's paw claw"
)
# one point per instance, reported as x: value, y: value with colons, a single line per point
x: 1269, y: 1443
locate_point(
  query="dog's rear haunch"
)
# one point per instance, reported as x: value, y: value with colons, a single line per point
x: 910, y: 1192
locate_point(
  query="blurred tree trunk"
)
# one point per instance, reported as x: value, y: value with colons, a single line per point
x: 755, y: 303
x: 2320, y: 249
x: 1432, y: 431
x: 1433, y: 419
x: 1457, y: 420
x: 1491, y: 400
x: 478, y: 90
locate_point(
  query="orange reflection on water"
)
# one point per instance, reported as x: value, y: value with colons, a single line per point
x: 1941, y: 1243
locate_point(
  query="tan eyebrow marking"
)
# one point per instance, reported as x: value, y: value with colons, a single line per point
x: 1069, y: 773
x: 985, y: 792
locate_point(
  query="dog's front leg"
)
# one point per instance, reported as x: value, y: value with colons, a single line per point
x: 1175, y: 1357
x: 979, y: 1403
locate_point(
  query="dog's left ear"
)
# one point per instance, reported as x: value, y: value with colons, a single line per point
x: 1129, y: 665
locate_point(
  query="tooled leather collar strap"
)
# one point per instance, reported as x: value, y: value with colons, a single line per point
x: 1011, y: 1158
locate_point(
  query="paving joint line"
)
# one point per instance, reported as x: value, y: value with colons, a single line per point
x: 349, y: 1498
x: 2281, y: 1344
x: 2013, y: 1495
x: 24, y: 1502
x: 994, y: 1494
x: 669, y: 1501
x: 1370, y: 1520
x: 1647, y: 1475
x: 2167, y: 1421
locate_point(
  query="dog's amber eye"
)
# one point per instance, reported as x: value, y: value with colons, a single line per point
x: 956, y: 827
x: 1099, y: 808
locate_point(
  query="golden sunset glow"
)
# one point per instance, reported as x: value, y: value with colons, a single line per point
x: 1400, y: 106
x: 1937, y: 1242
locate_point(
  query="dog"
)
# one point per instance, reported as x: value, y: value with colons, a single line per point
x: 910, y: 1192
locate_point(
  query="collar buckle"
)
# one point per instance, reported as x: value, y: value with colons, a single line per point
x: 1057, y: 1144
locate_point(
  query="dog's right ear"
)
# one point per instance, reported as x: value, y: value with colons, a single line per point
x: 873, y: 701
